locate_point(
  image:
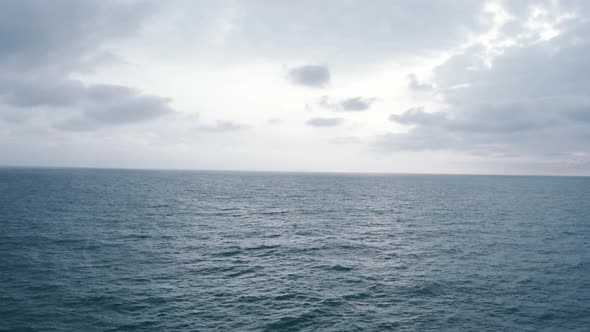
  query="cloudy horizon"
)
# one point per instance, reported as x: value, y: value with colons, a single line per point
x: 444, y: 86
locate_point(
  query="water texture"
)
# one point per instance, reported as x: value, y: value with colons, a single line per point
x: 106, y: 250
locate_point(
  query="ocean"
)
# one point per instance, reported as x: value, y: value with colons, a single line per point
x: 133, y: 250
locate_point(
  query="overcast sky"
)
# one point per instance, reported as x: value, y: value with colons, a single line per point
x: 416, y: 86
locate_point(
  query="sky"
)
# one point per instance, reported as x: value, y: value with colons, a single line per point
x: 420, y: 86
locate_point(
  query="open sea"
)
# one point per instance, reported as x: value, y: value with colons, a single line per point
x: 129, y: 250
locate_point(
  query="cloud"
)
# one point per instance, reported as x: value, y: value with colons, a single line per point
x: 350, y: 31
x: 133, y: 108
x: 507, y: 127
x: 530, y: 99
x: 514, y: 88
x: 63, y: 36
x: 111, y: 105
x: 41, y: 91
x: 325, y: 122
x: 43, y: 47
x: 315, y: 76
x: 414, y: 84
x: 96, y: 105
x: 354, y: 104
x: 417, y: 116
x: 222, y: 126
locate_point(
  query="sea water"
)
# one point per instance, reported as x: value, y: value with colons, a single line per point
x: 127, y: 250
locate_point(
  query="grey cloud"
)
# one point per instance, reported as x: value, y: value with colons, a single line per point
x: 414, y: 84
x: 580, y: 114
x: 117, y: 105
x: 78, y: 123
x: 99, y: 92
x: 500, y: 118
x: 43, y: 45
x: 347, y: 30
x: 532, y: 101
x: 418, y: 139
x: 135, y: 108
x: 13, y: 116
x: 314, y: 76
x: 42, y: 91
x: 324, y: 122
x: 222, y: 126
x: 98, y: 105
x: 64, y: 34
x: 417, y: 116
x: 354, y: 104
x: 508, y: 126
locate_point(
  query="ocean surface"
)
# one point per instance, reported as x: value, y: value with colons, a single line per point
x: 125, y: 250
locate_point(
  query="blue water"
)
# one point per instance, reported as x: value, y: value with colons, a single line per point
x: 106, y: 250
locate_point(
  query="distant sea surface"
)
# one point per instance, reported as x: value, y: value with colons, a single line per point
x: 125, y: 250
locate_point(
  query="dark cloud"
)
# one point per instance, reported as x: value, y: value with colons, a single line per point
x: 221, y: 126
x: 354, y: 104
x: 414, y: 84
x: 315, y: 76
x: 324, y: 122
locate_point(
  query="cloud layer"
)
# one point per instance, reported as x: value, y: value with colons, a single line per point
x: 500, y: 82
x: 44, y: 47
x: 529, y: 100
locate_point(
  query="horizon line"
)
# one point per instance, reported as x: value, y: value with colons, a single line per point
x: 2, y: 166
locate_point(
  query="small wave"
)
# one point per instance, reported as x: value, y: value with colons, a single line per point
x: 430, y: 289
x: 331, y: 302
x: 250, y: 299
x: 159, y: 206
x: 272, y: 236
x: 304, y: 233
x: 295, y: 323
x: 228, y: 209
x: 228, y: 253
x: 356, y: 296
x: 263, y: 247
x: 272, y: 213
x: 242, y: 272
x: 136, y: 236
x: 340, y: 268
x: 547, y: 316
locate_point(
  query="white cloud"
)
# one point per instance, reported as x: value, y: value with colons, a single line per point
x: 494, y: 83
